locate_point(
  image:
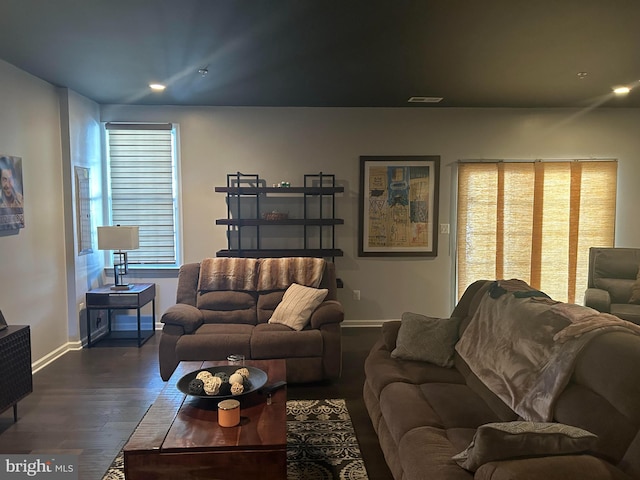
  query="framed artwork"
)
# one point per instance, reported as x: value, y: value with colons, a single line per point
x: 398, y: 211
x: 11, y: 199
x: 83, y: 211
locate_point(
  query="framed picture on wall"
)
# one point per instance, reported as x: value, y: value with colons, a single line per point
x: 83, y: 211
x: 11, y: 199
x: 398, y: 209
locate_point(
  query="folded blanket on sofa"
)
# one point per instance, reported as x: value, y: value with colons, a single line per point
x: 228, y: 274
x: 279, y: 273
x: 585, y: 319
x: 524, y: 349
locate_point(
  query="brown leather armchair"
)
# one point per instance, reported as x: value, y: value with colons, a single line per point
x: 612, y: 272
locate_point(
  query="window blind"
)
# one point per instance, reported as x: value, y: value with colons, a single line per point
x: 534, y: 221
x: 142, y: 177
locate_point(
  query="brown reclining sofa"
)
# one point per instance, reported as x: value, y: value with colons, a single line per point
x: 224, y: 305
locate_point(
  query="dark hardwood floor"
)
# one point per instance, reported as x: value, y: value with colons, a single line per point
x: 88, y: 402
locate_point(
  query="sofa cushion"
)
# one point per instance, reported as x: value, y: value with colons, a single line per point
x: 381, y: 370
x: 297, y: 305
x: 271, y: 340
x: 267, y: 303
x: 560, y: 467
x: 396, y: 400
x: 635, y: 290
x: 615, y: 431
x: 215, y: 342
x: 618, y: 288
x: 426, y: 452
x: 626, y: 311
x: 225, y: 300
x: 504, y: 440
x: 246, y: 316
x: 457, y: 405
x: 225, y: 328
x: 427, y: 339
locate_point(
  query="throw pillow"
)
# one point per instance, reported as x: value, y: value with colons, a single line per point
x: 297, y: 305
x: 635, y: 290
x: 427, y: 339
x: 504, y: 440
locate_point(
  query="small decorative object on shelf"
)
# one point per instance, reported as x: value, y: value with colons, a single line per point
x: 250, y: 204
x: 275, y: 215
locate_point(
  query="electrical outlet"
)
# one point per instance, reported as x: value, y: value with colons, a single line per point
x: 356, y: 294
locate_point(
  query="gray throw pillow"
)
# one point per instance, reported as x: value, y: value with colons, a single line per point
x: 504, y: 440
x: 427, y: 339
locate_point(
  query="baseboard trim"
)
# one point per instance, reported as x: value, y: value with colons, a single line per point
x: 78, y: 344
x: 362, y: 323
x: 57, y: 353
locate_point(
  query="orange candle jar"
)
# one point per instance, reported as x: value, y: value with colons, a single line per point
x: 229, y: 413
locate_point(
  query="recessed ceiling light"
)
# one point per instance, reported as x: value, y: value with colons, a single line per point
x: 582, y: 75
x: 158, y: 87
x: 425, y: 99
x: 621, y: 90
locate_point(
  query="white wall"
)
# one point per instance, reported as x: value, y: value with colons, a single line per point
x: 43, y: 281
x: 81, y: 147
x: 285, y: 143
x: 32, y: 262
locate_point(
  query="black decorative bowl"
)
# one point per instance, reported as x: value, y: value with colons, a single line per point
x: 257, y: 379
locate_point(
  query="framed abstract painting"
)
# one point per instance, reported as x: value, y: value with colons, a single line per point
x: 398, y: 209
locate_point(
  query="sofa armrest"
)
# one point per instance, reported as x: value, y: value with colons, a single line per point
x: 598, y: 299
x: 186, y: 316
x: 329, y: 311
x: 561, y: 467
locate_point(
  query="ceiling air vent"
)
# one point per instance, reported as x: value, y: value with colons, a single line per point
x: 424, y: 99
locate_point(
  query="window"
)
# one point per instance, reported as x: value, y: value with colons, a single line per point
x: 142, y: 174
x: 534, y: 221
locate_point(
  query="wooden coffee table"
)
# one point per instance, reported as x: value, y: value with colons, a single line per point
x: 179, y: 437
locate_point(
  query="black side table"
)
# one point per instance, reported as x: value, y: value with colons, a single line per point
x: 16, y: 381
x: 104, y: 298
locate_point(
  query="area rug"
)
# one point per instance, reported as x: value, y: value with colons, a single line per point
x: 321, y: 443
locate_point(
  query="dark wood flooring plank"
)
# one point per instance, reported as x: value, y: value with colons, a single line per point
x: 88, y: 403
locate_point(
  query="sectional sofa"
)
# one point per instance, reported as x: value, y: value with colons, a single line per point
x: 512, y: 386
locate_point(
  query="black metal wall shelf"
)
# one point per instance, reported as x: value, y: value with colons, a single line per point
x: 250, y: 187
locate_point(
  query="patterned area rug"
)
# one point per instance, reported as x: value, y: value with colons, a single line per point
x: 321, y: 443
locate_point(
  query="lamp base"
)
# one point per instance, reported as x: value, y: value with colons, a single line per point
x: 127, y: 286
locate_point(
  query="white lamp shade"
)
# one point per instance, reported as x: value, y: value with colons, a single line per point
x: 118, y: 238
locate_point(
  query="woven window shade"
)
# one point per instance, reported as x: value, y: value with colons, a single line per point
x: 534, y: 221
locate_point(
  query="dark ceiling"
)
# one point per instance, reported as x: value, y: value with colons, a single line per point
x: 347, y: 53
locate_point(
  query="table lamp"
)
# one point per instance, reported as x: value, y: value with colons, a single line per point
x: 118, y: 238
